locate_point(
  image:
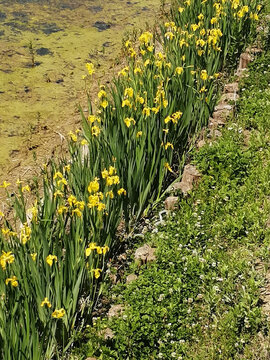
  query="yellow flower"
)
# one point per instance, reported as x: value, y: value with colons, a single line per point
x: 13, y: 281
x: 167, y: 119
x: 104, y: 104
x: 50, y: 258
x: 132, y: 52
x: 73, y: 136
x: 202, y: 32
x: 121, y: 191
x: 34, y: 212
x: 104, y: 174
x: 77, y: 212
x: 129, y: 92
x: 62, y: 182
x: 200, y: 52
x: 93, y: 185
x: 169, y: 35
x: 139, y: 133
x: 5, y: 185
x: 57, y: 314
x: 194, y: 27
x: 2, y: 214
x: 46, y: 302
x: 91, y: 118
x: 112, y: 170
x: 84, y: 142
x: 34, y: 256
x: 126, y: 102
x: 58, y: 174
x: 5, y: 231
x: 18, y: 182
x: 167, y: 166
x: 96, y: 273
x: 177, y: 115
x: 155, y: 110
x: 214, y: 20
x: 137, y: 70
x: 101, y: 206
x: 88, y: 250
x: 6, y: 258
x: 128, y: 122
x: 26, y: 188
x: 168, y: 144
x: 95, y: 130
x: 123, y: 72
x: 25, y: 233
x: 146, y: 37
x: 200, y: 42
x: 58, y: 193
x: 93, y: 201
x: 203, y: 89
x: 181, y: 9
x: 127, y: 43
x: 105, y: 249
x: 71, y: 200
x: 204, y: 75
x: 110, y: 194
x: 179, y: 70
x: 101, y: 94
x: 90, y: 68
x: 200, y: 17
x: 165, y: 103
x: 99, y: 250
x: 146, y: 111
x: 140, y: 99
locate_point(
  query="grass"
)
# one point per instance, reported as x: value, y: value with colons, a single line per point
x: 201, y: 298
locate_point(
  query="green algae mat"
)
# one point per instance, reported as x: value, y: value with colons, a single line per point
x: 44, y: 46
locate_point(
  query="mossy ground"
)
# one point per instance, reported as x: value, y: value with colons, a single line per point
x: 202, y: 298
x: 48, y: 93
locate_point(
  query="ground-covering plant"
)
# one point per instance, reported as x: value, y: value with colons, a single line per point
x: 200, y: 299
x: 54, y: 245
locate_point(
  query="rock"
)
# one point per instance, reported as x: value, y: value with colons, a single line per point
x: 190, y: 175
x: 200, y: 144
x: 245, y: 59
x: 231, y: 88
x: 222, y: 107
x: 101, y: 25
x: 228, y: 97
x: 131, y: 278
x: 221, y: 114
x: 145, y: 254
x: 122, y: 257
x: 107, y: 334
x: 247, y: 135
x: 113, y: 278
x: 214, y: 134
x: 215, y: 123
x: 171, y: 203
x: 116, y: 310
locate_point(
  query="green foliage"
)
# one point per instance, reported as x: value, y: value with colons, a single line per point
x: 54, y: 244
x: 200, y: 299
